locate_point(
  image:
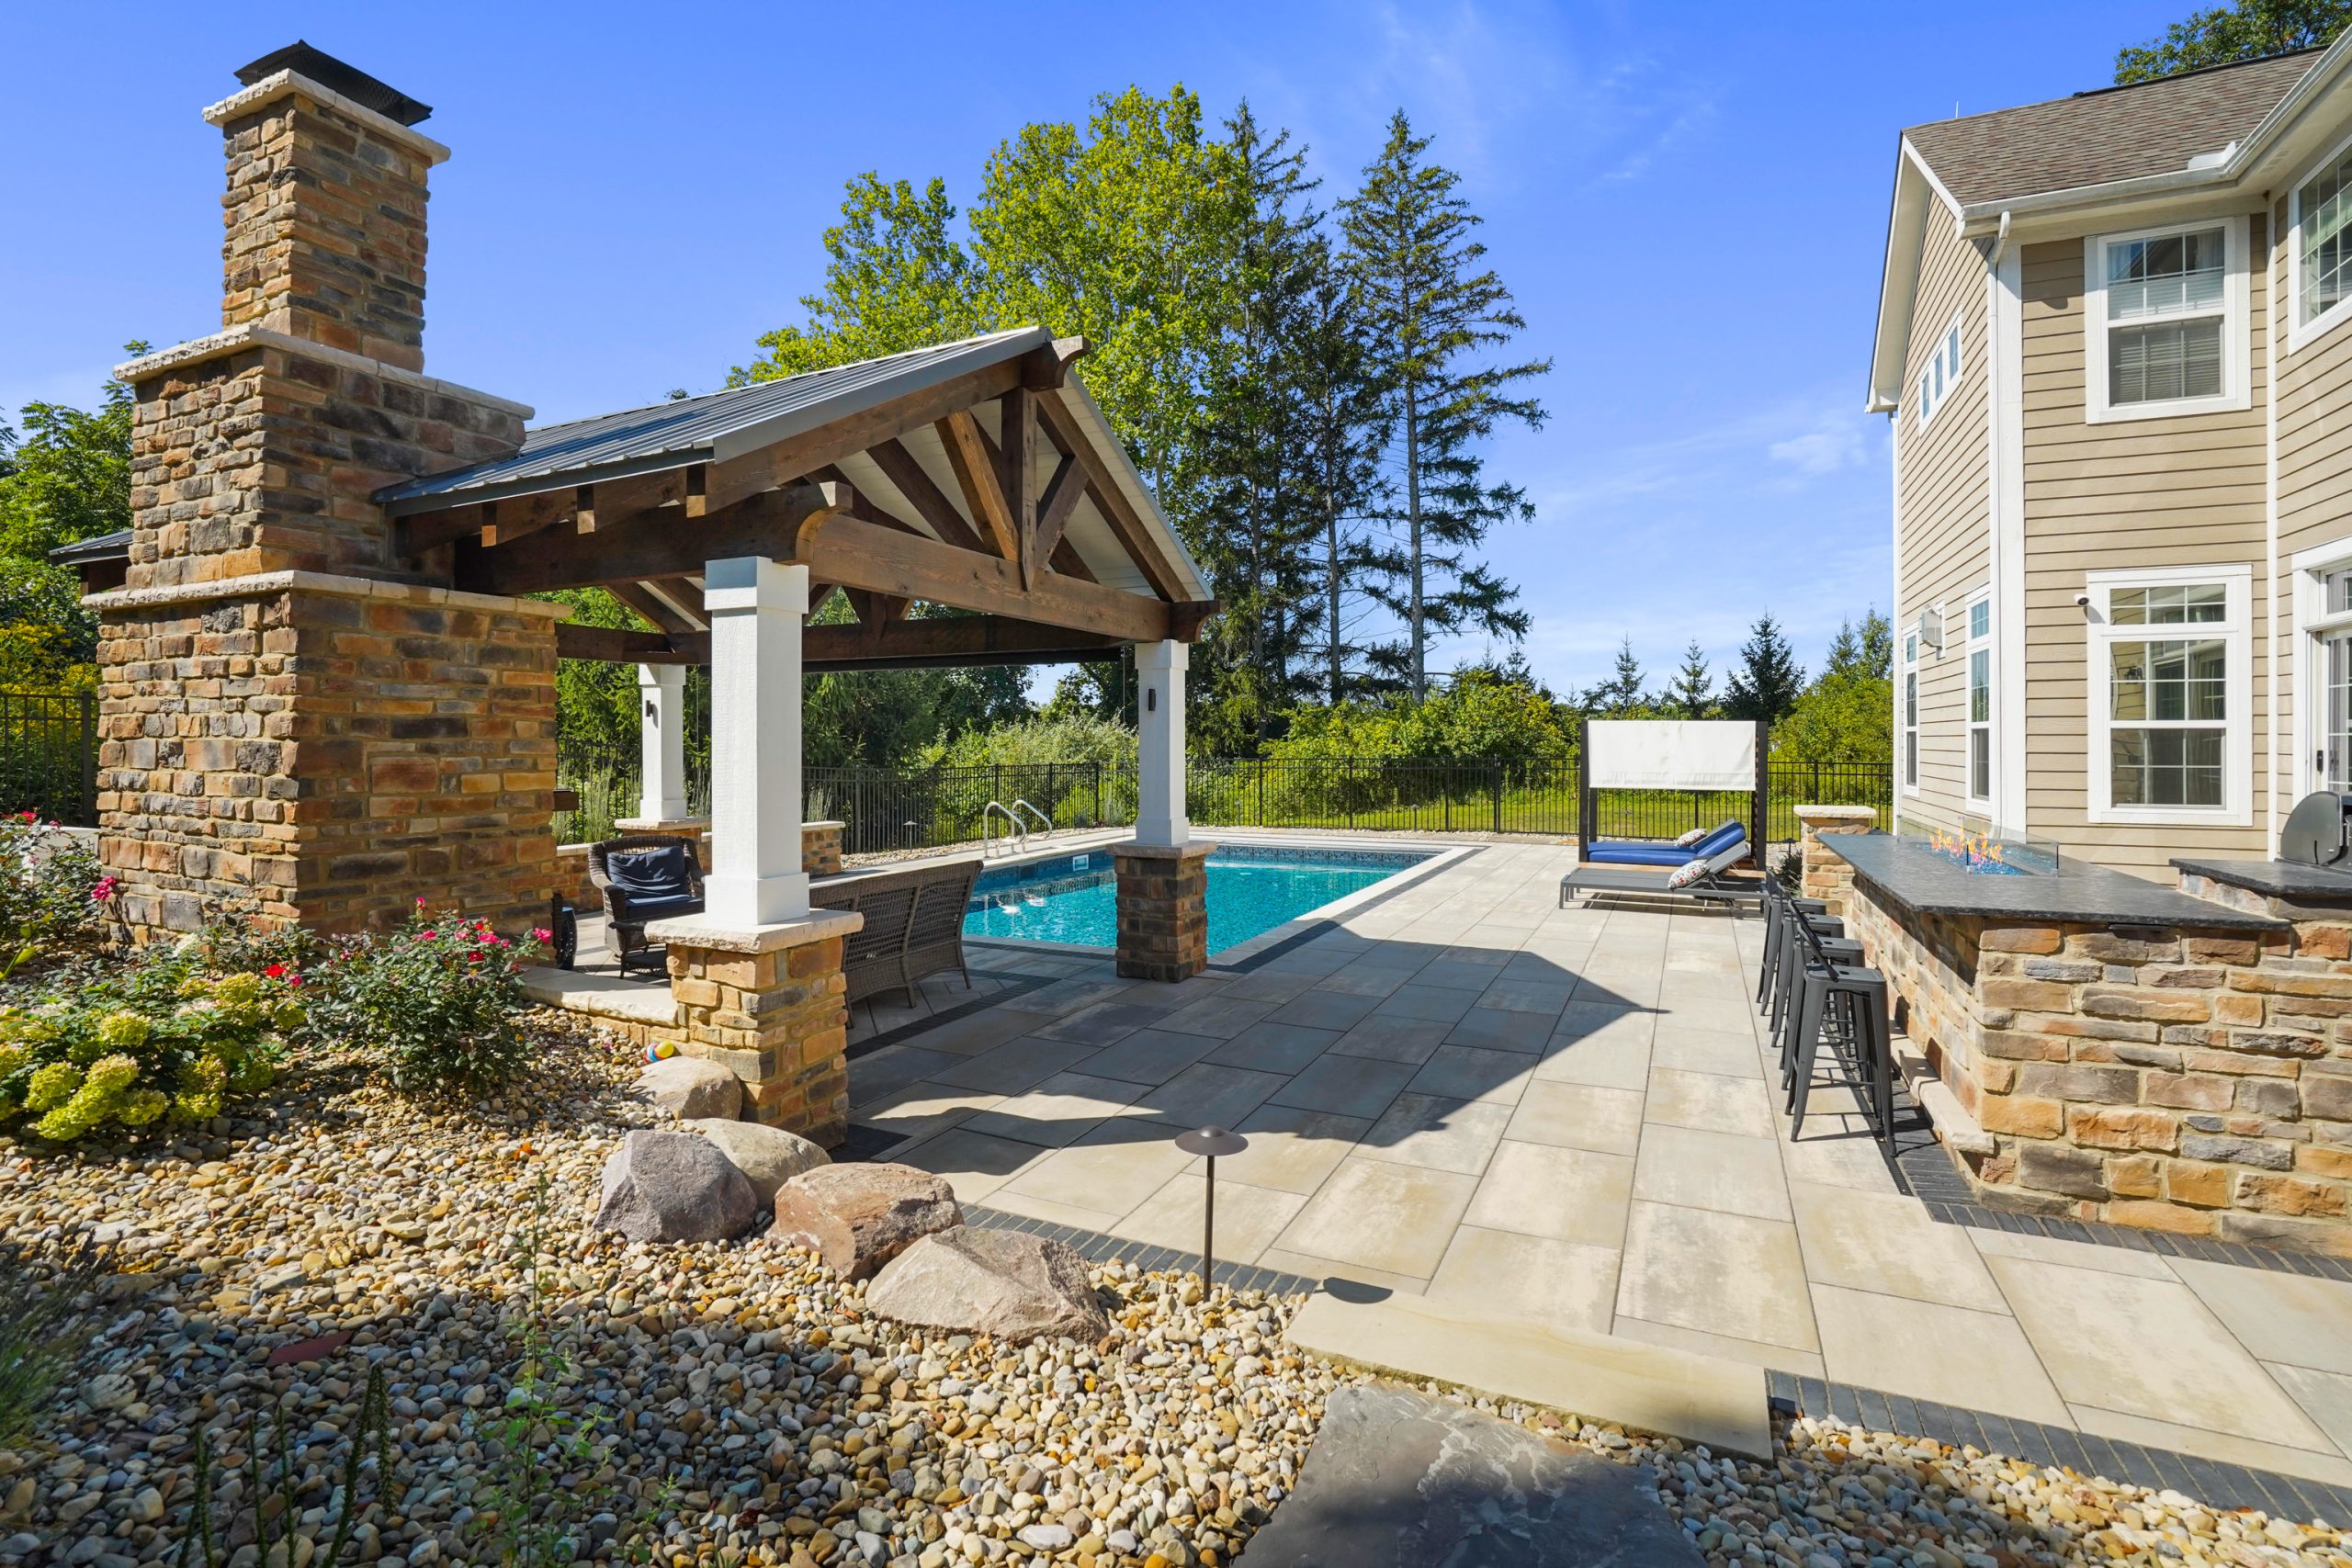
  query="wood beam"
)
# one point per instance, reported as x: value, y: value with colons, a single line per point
x: 841, y: 549
x: 799, y: 456
x: 640, y: 498
x: 1016, y: 473
x: 862, y: 507
x: 764, y: 525
x: 931, y: 504
x: 1062, y: 428
x: 1042, y: 369
x: 948, y: 640
x: 975, y: 464
x: 876, y: 609
x: 614, y: 645
x: 656, y: 612
x: 1063, y: 492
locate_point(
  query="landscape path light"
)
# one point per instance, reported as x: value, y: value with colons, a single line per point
x: 1209, y: 1143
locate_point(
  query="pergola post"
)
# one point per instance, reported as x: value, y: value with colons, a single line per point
x: 1163, y: 874
x: 755, y: 606
x: 661, y: 731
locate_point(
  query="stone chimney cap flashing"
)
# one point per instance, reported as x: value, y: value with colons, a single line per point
x: 284, y: 83
x: 339, y: 76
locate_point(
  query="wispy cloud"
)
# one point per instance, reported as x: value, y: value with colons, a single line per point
x: 1825, y: 450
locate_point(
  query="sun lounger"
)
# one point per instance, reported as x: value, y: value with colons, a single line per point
x: 1661, y: 852
x: 1709, y: 884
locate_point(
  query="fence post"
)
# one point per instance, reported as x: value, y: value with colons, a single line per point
x: 1098, y: 793
x: 1498, y: 796
x: 1351, y: 792
x: 1261, y: 791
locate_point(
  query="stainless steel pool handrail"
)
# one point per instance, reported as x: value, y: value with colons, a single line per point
x: 997, y: 808
x: 1020, y: 806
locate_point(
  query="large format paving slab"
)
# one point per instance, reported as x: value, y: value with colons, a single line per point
x: 1402, y: 1480
x: 1649, y: 1387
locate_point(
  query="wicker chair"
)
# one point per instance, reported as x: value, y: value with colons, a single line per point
x: 914, y: 924
x: 676, y: 890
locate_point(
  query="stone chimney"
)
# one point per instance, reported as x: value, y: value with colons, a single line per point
x: 295, y: 723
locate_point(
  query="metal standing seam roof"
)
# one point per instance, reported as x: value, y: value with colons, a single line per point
x: 708, y: 429
x: 2107, y: 135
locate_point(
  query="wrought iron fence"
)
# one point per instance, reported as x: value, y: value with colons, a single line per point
x: 49, y: 755
x: 909, y: 808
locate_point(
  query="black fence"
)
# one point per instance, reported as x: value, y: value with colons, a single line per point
x: 49, y: 755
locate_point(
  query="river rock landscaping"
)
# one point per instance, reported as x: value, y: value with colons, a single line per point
x: 559, y: 1392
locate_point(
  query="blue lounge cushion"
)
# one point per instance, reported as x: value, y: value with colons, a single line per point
x: 652, y: 876
x: 1654, y: 851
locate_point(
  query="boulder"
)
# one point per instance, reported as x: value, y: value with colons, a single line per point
x: 858, y: 1217
x: 1400, y: 1479
x: 769, y: 1155
x: 689, y: 1088
x: 1006, y: 1284
x: 675, y: 1187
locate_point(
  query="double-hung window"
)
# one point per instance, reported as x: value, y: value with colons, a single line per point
x: 1941, y: 375
x: 1980, y: 701
x: 1911, y: 711
x: 2170, y: 682
x: 2165, y: 319
x: 2321, y: 247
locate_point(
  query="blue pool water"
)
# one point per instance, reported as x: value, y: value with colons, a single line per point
x: 1251, y: 891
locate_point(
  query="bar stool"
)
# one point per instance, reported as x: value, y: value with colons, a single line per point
x: 1806, y: 946
x: 1845, y: 1004
x: 1788, y: 962
x: 1780, y: 907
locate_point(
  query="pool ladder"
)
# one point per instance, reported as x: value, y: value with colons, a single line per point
x: 1015, y: 828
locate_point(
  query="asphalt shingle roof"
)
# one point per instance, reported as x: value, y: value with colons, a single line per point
x: 2117, y: 133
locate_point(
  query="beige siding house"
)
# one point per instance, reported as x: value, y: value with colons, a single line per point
x: 2115, y: 340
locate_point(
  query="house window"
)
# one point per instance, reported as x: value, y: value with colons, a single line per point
x: 2166, y: 316
x: 2321, y: 213
x: 1942, y: 375
x: 1980, y: 701
x: 1911, y: 711
x: 2170, y: 681
x: 2324, y: 673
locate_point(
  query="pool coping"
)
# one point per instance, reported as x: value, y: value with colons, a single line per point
x: 1244, y: 956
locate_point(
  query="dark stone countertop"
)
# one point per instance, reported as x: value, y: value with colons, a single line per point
x: 1916, y: 879
x: 2275, y: 878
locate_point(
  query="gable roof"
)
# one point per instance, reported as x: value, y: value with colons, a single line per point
x: 2106, y: 134
x: 708, y: 429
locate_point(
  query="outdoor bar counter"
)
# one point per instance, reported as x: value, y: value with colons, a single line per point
x: 2100, y: 1047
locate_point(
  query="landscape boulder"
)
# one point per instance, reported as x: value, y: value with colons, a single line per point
x: 858, y: 1217
x: 1006, y: 1284
x: 769, y: 1156
x: 1401, y: 1479
x: 689, y: 1089
x: 675, y: 1187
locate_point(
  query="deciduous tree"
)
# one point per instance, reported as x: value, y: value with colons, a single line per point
x: 2245, y: 29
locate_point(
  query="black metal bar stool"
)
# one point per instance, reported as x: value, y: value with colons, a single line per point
x: 1845, y: 1004
x: 1780, y: 907
x: 1813, y: 939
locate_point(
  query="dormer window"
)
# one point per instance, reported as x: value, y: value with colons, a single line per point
x: 2166, y: 317
x: 1942, y: 375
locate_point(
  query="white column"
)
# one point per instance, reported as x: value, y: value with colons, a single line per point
x: 755, y: 607
x: 661, y: 737
x: 1159, y: 730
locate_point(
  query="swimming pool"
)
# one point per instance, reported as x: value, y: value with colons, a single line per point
x: 1251, y: 890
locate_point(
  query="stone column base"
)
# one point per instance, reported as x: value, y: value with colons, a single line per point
x: 1826, y: 876
x: 820, y: 848
x: 769, y: 1004
x: 1163, y: 910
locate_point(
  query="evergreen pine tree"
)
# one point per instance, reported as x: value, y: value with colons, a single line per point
x: 1436, y: 311
x: 1769, y: 678
x: 1691, y: 692
x: 1619, y: 697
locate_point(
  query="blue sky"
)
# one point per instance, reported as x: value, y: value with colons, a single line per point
x: 1687, y: 202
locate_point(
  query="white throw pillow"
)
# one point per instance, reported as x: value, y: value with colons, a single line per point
x: 1684, y: 876
x: 1690, y: 838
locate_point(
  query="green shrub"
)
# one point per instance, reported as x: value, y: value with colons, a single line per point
x: 153, y: 1038
x: 437, y: 1003
x: 52, y: 898
x: 1059, y: 738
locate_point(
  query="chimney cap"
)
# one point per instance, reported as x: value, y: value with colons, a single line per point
x: 334, y: 75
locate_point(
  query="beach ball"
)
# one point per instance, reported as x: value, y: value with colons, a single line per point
x: 661, y: 1049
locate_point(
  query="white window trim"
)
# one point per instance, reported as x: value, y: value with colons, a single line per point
x: 2299, y: 332
x: 1928, y: 407
x: 2237, y: 360
x: 1906, y: 702
x: 2312, y: 622
x: 1970, y: 646
x: 2236, y: 630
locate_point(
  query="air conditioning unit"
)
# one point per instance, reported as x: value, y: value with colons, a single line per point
x: 1930, y: 629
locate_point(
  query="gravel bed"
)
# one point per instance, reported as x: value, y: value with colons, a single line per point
x: 735, y: 1403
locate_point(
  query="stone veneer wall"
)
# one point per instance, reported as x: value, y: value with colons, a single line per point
x: 1163, y: 922
x: 779, y: 1020
x: 326, y: 755
x: 2194, y: 1080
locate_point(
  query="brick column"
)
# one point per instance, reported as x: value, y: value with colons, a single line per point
x: 768, y: 1004
x: 820, y: 848
x: 1163, y: 910
x: 1827, y: 876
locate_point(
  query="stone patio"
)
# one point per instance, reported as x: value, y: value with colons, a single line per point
x: 1464, y: 1091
